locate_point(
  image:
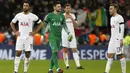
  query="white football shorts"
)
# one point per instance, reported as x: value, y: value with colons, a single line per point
x: 24, y: 44
x: 114, y: 47
x: 67, y: 44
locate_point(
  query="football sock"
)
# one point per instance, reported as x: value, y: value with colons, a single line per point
x: 26, y: 64
x: 76, y: 58
x: 16, y: 63
x: 123, y: 65
x: 57, y: 69
x: 55, y: 59
x: 108, y: 65
x: 51, y: 64
x: 65, y: 57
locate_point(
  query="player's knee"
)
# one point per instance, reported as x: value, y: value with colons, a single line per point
x: 18, y: 53
x: 55, y: 54
x: 120, y: 56
x: 74, y: 50
x: 110, y: 55
x: 65, y: 50
x: 27, y: 54
x: 54, y: 51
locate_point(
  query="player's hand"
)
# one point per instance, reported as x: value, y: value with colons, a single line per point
x: 70, y: 37
x: 68, y: 16
x: 32, y: 33
x: 17, y: 33
x: 42, y: 39
x: 121, y: 42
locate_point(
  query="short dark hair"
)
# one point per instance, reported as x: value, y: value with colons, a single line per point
x: 115, y: 5
x: 66, y: 5
x: 26, y: 1
x: 55, y: 3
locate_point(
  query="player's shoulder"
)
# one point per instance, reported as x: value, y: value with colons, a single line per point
x: 20, y: 13
x: 49, y: 14
x: 73, y: 15
x: 62, y: 14
x: 120, y: 16
x: 32, y: 14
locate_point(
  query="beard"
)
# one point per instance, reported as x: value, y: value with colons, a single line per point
x: 67, y: 12
x: 25, y: 10
x: 111, y: 14
x: 58, y: 10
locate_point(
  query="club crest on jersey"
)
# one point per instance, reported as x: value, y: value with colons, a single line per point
x: 24, y: 24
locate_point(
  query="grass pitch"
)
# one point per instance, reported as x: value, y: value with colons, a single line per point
x: 41, y: 66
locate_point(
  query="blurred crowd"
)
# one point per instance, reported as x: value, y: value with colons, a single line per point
x: 92, y: 16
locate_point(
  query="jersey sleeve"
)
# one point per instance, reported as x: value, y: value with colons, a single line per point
x: 46, y: 19
x: 37, y: 20
x: 121, y: 24
x: 15, y: 19
x: 121, y: 20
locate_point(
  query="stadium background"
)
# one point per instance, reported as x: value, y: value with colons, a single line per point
x: 92, y: 35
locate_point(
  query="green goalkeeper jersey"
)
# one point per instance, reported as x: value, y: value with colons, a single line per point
x: 56, y: 22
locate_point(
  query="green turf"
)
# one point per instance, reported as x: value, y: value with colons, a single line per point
x: 41, y: 66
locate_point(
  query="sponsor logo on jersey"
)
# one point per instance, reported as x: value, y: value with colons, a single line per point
x: 53, y: 19
x: 56, y: 24
x: 24, y: 24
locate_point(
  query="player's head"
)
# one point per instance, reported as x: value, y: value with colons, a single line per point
x: 57, y: 6
x: 26, y: 6
x: 67, y: 8
x: 113, y: 9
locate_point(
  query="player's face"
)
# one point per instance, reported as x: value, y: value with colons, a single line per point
x: 68, y: 9
x: 112, y: 10
x: 58, y: 7
x: 26, y: 7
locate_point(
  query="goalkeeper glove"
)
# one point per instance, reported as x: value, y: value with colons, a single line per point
x: 70, y: 37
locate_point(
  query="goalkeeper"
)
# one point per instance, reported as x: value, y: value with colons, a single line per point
x: 56, y: 22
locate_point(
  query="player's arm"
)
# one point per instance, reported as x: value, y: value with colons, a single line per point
x: 70, y: 37
x: 12, y: 26
x: 15, y: 19
x: 121, y: 25
x: 39, y: 27
x: 65, y: 26
x: 74, y: 21
x: 38, y: 21
x: 45, y: 28
x: 45, y: 21
x: 73, y: 18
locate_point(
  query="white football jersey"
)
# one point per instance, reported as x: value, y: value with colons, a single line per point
x: 25, y: 23
x: 70, y: 26
x: 116, y: 21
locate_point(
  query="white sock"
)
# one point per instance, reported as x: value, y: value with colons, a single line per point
x: 16, y: 63
x: 108, y: 65
x: 26, y: 64
x: 57, y: 69
x: 123, y: 65
x: 76, y: 58
x: 65, y: 56
x: 50, y: 69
